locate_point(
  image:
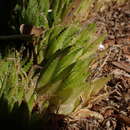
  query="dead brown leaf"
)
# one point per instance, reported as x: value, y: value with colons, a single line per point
x: 122, y: 65
x: 123, y: 118
x: 108, y: 113
x: 31, y: 30
x: 86, y: 113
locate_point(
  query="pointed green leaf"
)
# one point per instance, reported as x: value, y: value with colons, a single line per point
x: 98, y: 84
x: 68, y: 60
x: 58, y: 42
x: 75, y: 80
x: 47, y: 74
x: 93, y: 47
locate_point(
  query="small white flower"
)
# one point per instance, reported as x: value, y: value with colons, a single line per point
x: 50, y: 10
x: 101, y: 47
